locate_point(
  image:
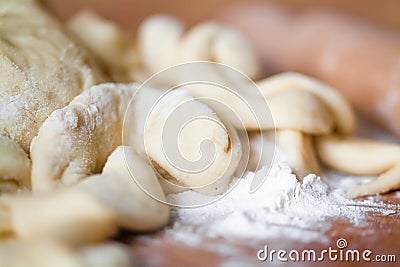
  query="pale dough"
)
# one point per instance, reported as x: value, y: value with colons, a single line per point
x: 75, y: 141
x: 15, y: 166
x: 42, y: 69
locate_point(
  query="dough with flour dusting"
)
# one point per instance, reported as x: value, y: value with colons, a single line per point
x: 75, y: 141
x: 42, y: 69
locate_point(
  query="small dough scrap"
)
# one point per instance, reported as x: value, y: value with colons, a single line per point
x: 42, y: 69
x: 189, y: 145
x: 75, y: 141
x: 68, y: 216
x: 129, y: 187
x: 15, y: 166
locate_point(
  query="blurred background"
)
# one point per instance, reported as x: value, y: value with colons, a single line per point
x: 129, y: 13
x: 352, y: 45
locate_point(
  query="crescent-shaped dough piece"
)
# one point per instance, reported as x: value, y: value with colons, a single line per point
x: 42, y: 69
x: 357, y: 155
x: 362, y: 156
x: 75, y: 141
x: 190, y: 145
x: 295, y: 110
x: 340, y: 109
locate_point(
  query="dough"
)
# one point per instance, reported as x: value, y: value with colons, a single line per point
x: 75, y: 141
x: 15, y: 166
x: 42, y: 69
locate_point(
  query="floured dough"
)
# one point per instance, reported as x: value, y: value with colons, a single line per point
x: 41, y: 69
x: 75, y: 141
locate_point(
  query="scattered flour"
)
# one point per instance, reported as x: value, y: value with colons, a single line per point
x: 281, y: 207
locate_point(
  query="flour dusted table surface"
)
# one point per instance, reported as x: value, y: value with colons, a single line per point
x: 381, y: 236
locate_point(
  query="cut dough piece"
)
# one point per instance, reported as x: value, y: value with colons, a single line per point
x: 299, y: 151
x: 301, y: 111
x: 163, y: 43
x: 357, y: 155
x: 158, y: 39
x: 362, y: 157
x: 129, y: 187
x: 189, y: 145
x: 75, y: 141
x: 296, y: 110
x: 41, y: 69
x: 340, y: 109
x: 15, y: 166
x: 385, y: 182
x: 68, y: 216
x: 107, y: 41
x: 211, y: 41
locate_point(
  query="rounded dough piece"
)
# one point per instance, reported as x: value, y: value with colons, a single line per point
x: 75, y: 141
x: 129, y: 187
x: 163, y: 43
x: 15, y: 166
x: 340, y: 109
x: 189, y: 144
x: 158, y: 38
x: 107, y: 41
x: 42, y: 69
x: 301, y: 111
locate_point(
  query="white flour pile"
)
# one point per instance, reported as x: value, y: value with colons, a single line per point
x: 281, y: 206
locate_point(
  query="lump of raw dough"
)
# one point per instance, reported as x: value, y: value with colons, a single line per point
x: 75, y: 141
x: 129, y: 187
x: 189, y: 145
x: 42, y: 69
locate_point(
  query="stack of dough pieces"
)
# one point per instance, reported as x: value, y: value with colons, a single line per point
x: 312, y: 120
x: 83, y: 160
